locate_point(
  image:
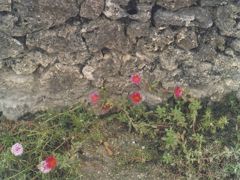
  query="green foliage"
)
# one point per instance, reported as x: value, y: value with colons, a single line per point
x: 207, y: 121
x: 186, y: 130
x: 194, y: 107
x: 171, y: 139
x: 186, y: 136
x: 233, y: 156
x: 178, y: 117
x: 222, y: 122
x: 167, y: 158
x: 50, y: 134
x: 161, y: 112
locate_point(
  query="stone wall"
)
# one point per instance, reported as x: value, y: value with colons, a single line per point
x: 54, y: 52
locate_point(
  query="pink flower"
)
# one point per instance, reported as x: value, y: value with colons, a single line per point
x: 135, y: 97
x: 178, y: 92
x: 17, y: 149
x: 94, y: 98
x: 48, y: 164
x: 136, y: 79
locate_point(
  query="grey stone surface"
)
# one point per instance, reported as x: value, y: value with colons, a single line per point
x: 7, y: 23
x: 65, y: 42
x: 187, y: 39
x: 143, y: 13
x: 213, y: 2
x: 158, y: 40
x: 113, y: 10
x: 5, y: 5
x: 136, y: 30
x: 91, y: 9
x: 228, y: 20
x: 236, y: 45
x: 194, y: 16
x: 54, y: 53
x: 174, y: 4
x: 42, y: 14
x: 29, y: 62
x: 177, y: 56
x: 103, y: 33
x: 9, y: 47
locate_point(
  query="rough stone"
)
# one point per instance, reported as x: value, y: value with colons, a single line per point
x: 174, y: 4
x: 101, y: 68
x: 9, y: 47
x: 236, y: 45
x: 157, y: 40
x: 1, y: 64
x: 122, y: 3
x: 152, y: 99
x: 41, y: 14
x: 229, y: 52
x: 143, y: 13
x: 17, y: 96
x: 215, y: 40
x: 227, y: 20
x: 60, y: 86
x: 7, y: 23
x: 177, y: 56
x: 66, y: 42
x: 206, y: 53
x: 113, y: 10
x: 163, y: 38
x: 137, y: 30
x: 5, y: 5
x: 88, y: 72
x: 23, y: 66
x: 91, y: 9
x: 51, y: 57
x: 105, y: 34
x: 79, y: 2
x: 186, y: 39
x: 213, y: 2
x: 61, y: 78
x: 30, y: 62
x: 194, y: 16
x: 131, y: 64
x: 147, y: 1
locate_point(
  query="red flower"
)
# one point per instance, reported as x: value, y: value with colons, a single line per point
x: 94, y: 97
x: 135, y: 97
x: 51, y: 162
x: 178, y: 92
x: 48, y: 164
x: 136, y: 79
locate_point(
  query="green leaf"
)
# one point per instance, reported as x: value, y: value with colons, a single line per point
x: 178, y: 117
x: 222, y: 122
x: 167, y: 158
x: 207, y: 121
x: 194, y: 107
x: 171, y: 139
x: 162, y: 113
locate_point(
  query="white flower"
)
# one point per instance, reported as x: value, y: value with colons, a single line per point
x: 43, y: 167
x: 17, y: 149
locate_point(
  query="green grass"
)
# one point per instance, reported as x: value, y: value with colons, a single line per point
x: 185, y: 137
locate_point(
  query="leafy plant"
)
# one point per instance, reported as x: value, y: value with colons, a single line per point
x: 186, y: 136
x: 170, y: 139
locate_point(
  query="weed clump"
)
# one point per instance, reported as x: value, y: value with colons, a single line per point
x: 184, y: 136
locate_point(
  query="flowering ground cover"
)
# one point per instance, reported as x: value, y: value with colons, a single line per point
x: 123, y: 138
